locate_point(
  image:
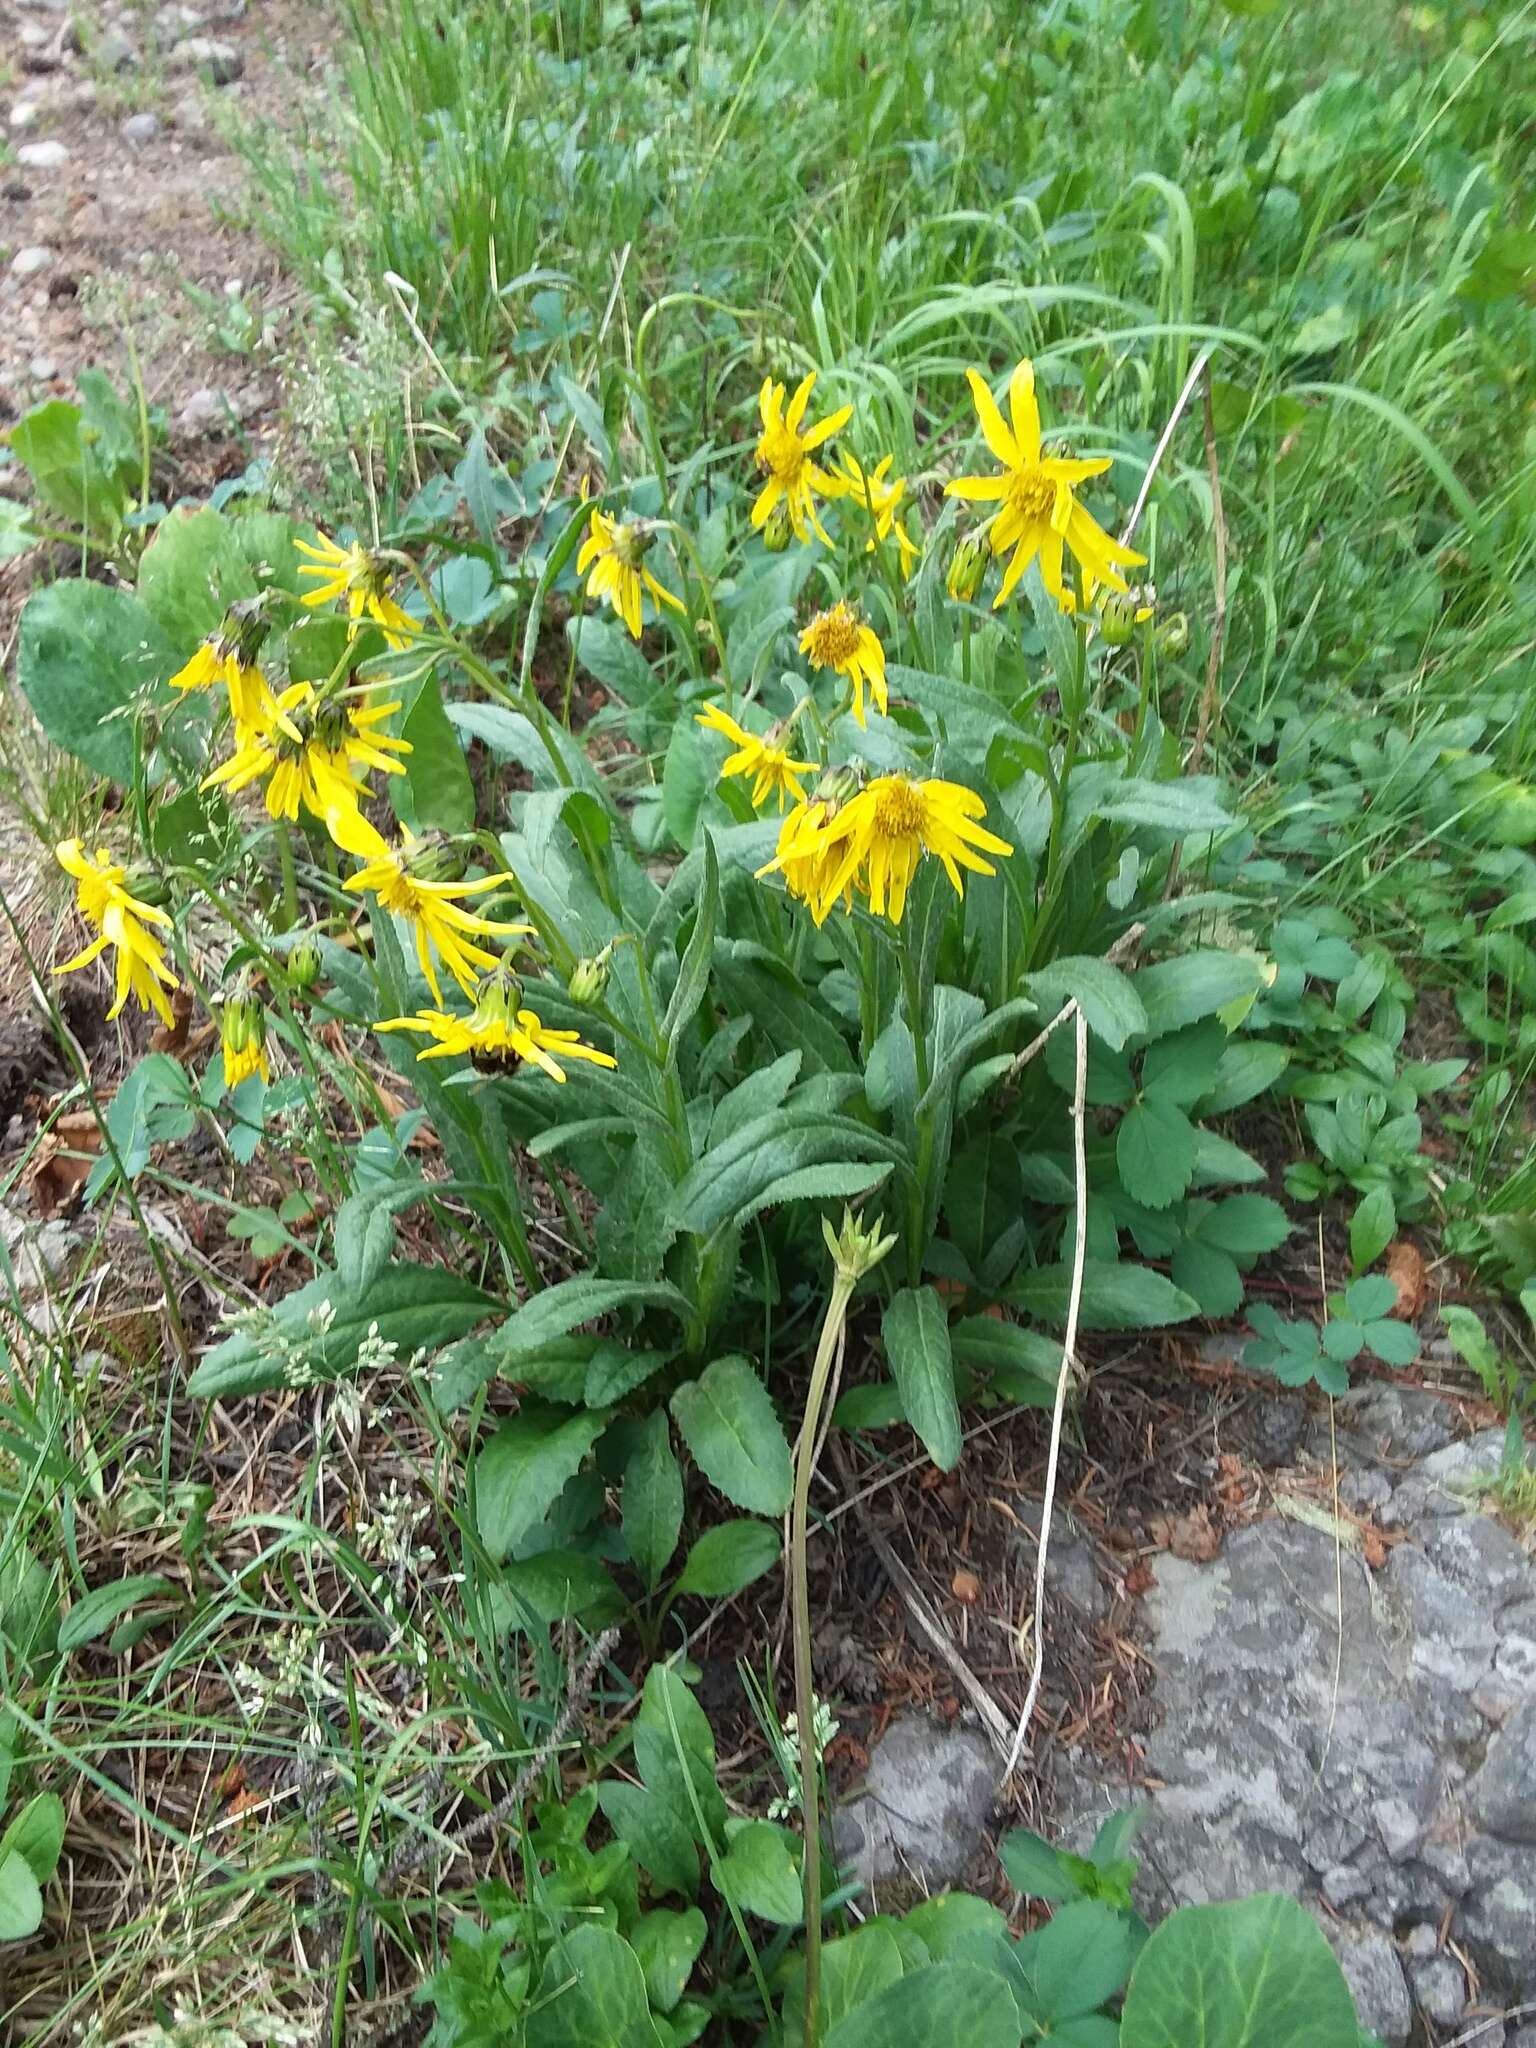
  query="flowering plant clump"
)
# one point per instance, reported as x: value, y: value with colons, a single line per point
x: 789, y: 929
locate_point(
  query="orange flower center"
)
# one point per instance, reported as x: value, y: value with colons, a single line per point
x: 833, y: 636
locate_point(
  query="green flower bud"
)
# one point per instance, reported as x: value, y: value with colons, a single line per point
x: 436, y: 858
x: 149, y: 887
x: 1173, y: 635
x: 855, y: 1249
x: 778, y: 530
x: 1121, y: 612
x: 241, y: 1023
x: 499, y: 996
x: 967, y: 567
x: 304, y: 963
x: 835, y: 786
x: 589, y: 979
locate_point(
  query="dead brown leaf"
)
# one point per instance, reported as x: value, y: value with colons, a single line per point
x: 966, y: 1588
x: 1139, y: 1579
x: 1405, y: 1269
x: 64, y: 1161
x: 1373, y: 1549
x: 1193, y: 1537
x: 173, y: 1039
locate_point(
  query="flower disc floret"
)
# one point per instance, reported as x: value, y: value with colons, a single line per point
x: 500, y: 1034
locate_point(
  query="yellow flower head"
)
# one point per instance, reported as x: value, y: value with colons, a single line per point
x: 839, y: 639
x: 874, y: 841
x: 880, y: 494
x: 784, y: 457
x: 362, y: 576
x: 614, y: 552
x: 1037, y: 513
x: 407, y: 881
x: 120, y: 918
x: 499, y: 1035
x: 314, y: 757
x: 229, y: 657
x: 806, y: 855
x: 766, y: 760
x: 243, y: 1039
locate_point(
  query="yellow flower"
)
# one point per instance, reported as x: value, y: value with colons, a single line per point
x: 313, y: 757
x: 839, y: 639
x: 499, y: 1035
x: 360, y: 575
x: 765, y: 760
x: 243, y: 1039
x: 119, y: 917
x: 808, y: 858
x: 226, y: 657
x: 882, y: 833
x: 614, y: 551
x: 404, y: 881
x: 784, y: 456
x: 880, y: 494
x: 1037, y: 513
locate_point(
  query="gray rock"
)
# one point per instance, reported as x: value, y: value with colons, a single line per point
x: 1422, y: 1942
x: 25, y: 114
x: 42, y: 368
x: 140, y: 129
x: 1439, y: 1989
x: 43, y: 6
x: 42, y: 156
x: 1497, y: 1925
x: 1398, y: 1422
x: 1514, y: 1663
x: 1453, y: 1633
x: 114, y: 52
x: 206, y: 412
x: 925, y: 1804
x: 1503, y: 1793
x: 1467, y: 1467
x: 83, y: 93
x: 1070, y: 1571
x: 173, y: 24
x: 1274, y: 1427
x: 1479, y: 1554
x: 1400, y: 1828
x: 1364, y: 1490
x: 1522, y: 2037
x: 1375, y: 1977
x: 28, y: 262
x: 220, y: 63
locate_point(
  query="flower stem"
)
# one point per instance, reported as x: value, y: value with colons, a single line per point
x: 290, y: 879
x: 828, y: 1351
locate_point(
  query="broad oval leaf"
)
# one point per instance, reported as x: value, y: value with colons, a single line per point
x: 729, y: 1557
x: 945, y: 2002
x: 592, y: 1995
x: 95, y: 1613
x: 1256, y: 1974
x: 915, y: 1332
x: 520, y: 1473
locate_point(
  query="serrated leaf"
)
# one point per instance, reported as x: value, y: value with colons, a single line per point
x: 1179, y: 992
x: 1209, y: 1274
x: 1246, y: 1069
x: 733, y: 1175
x: 915, y: 1332
x: 1393, y: 1343
x: 1178, y: 1068
x: 727, y: 1420
x: 1374, y: 1295
x: 1245, y: 1225
x: 1109, y: 1000
x: 1155, y: 1150
x: 521, y: 1472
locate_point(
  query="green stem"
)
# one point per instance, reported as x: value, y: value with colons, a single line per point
x: 827, y: 1352
x: 289, y: 873
x: 917, y: 1205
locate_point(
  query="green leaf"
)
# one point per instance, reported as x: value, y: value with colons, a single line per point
x: 1372, y: 1228
x: 21, y: 1899
x: 1188, y: 805
x: 959, y: 2001
x: 685, y: 783
x: 1155, y: 1150
x: 729, y: 1557
x: 693, y: 975
x: 1115, y: 1297
x: 760, y: 1874
x: 522, y: 1471
x: 592, y: 1995
x: 853, y: 1969
x: 412, y: 1307
x: 76, y: 473
x: 1182, y: 991
x: 915, y: 1332
x: 1393, y: 1343
x: 1107, y: 998
x: 1034, y: 1868
x: 667, y: 1946
x: 1257, y: 1974
x: 653, y: 1500
x: 1244, y: 1070
x: 991, y: 1345
x: 1245, y: 1225
x: 1342, y: 1339
x: 36, y: 1835
x: 86, y: 653
x: 606, y: 651
x: 661, y: 1839
x: 733, y: 1175
x: 95, y: 1613
x: 553, y: 1586
x: 192, y: 572
x: 556, y: 1311
x: 948, y: 1924
x: 1209, y: 1274
x: 761, y: 1092
x: 839, y: 1180
x: 1375, y: 1295
x: 728, y: 1422
x: 435, y: 794
x: 1078, y: 1960
x: 1177, y: 1069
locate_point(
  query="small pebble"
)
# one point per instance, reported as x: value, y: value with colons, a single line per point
x: 43, y: 368
x: 140, y: 129
x: 25, y: 114
x: 219, y: 62
x: 83, y: 93
x: 42, y: 156
x: 114, y: 52
x: 28, y: 262
x: 206, y: 412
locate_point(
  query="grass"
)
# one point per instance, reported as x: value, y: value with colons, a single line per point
x: 505, y: 205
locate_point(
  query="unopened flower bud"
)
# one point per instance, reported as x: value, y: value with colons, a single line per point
x: 589, y: 979
x: 148, y: 886
x: 304, y: 963
x: 855, y: 1249
x: 778, y: 528
x: 436, y: 858
x: 243, y: 1035
x: 834, y: 787
x: 245, y: 627
x: 967, y: 567
x: 1121, y: 612
x: 1173, y: 635
x: 499, y: 996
